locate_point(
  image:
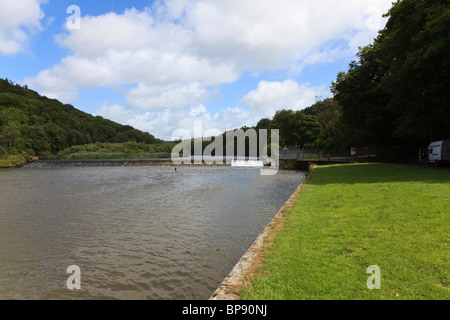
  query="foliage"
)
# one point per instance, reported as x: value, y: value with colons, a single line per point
x: 398, y: 91
x: 13, y: 160
x: 312, y: 128
x: 315, y: 127
x: 41, y: 126
x: 126, y: 150
x: 395, y: 97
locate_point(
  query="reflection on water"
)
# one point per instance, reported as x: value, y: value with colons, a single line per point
x: 135, y: 232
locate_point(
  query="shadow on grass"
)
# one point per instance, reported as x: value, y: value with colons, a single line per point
x: 377, y: 173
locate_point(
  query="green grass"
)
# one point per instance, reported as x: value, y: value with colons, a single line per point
x: 350, y: 217
x: 116, y: 155
x: 7, y: 161
x: 126, y: 150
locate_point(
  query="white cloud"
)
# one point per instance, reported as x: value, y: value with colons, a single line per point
x: 128, y: 31
x: 261, y: 102
x: 55, y: 84
x: 212, y: 43
x: 17, y: 20
x: 174, y: 55
x: 272, y: 96
x: 262, y: 34
x: 114, y: 112
x: 169, y: 96
x: 233, y: 118
x: 164, y: 123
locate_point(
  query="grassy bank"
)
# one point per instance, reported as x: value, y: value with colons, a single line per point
x: 126, y: 150
x: 9, y: 161
x: 350, y: 217
x: 115, y: 155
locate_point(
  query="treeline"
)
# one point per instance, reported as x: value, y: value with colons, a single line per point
x: 398, y: 92
x: 125, y: 150
x: 315, y: 127
x: 395, y: 98
x: 36, y: 125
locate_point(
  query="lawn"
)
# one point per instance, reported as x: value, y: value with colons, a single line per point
x: 350, y: 217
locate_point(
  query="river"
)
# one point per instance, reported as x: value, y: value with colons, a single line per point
x: 134, y: 232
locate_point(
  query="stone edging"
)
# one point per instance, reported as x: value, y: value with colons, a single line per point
x: 241, y: 272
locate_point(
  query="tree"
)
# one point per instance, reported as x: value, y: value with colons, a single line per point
x: 327, y: 113
x: 263, y: 124
x: 398, y: 90
x: 38, y: 125
x: 11, y: 137
x: 417, y: 36
x: 365, y: 116
x: 297, y: 128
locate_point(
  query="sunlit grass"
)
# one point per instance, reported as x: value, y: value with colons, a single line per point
x: 12, y: 160
x: 350, y: 217
x: 116, y: 155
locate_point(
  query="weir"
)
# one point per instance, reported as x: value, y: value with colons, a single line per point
x: 303, y: 165
x: 98, y: 163
x: 285, y: 164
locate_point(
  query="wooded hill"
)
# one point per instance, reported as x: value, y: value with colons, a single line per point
x: 395, y: 98
x: 37, y: 125
x: 398, y: 92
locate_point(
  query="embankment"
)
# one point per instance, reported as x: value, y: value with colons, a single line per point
x: 103, y: 163
x: 239, y: 275
x: 349, y: 218
x: 97, y: 163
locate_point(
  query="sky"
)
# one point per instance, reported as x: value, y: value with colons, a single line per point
x: 165, y: 65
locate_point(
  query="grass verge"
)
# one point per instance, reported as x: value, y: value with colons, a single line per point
x: 10, y: 161
x: 350, y: 217
x: 116, y: 155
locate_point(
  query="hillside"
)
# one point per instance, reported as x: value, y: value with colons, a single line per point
x: 37, y: 125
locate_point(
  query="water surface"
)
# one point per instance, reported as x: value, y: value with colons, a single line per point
x: 135, y: 232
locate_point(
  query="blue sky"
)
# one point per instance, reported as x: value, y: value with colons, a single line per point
x: 164, y: 65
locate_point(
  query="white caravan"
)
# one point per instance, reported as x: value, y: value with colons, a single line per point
x: 439, y: 152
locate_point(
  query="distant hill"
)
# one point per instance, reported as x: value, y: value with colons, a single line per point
x: 41, y: 126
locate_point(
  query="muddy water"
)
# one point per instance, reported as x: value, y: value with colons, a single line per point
x: 134, y: 232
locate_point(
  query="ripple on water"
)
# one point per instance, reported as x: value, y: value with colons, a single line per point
x: 135, y: 232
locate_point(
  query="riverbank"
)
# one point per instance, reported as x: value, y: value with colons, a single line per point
x: 239, y: 276
x: 345, y: 219
x: 158, y: 233
x: 138, y: 163
x: 99, y: 163
x: 109, y: 163
x: 13, y: 161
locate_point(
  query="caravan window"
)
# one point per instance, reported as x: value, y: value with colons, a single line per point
x: 431, y: 151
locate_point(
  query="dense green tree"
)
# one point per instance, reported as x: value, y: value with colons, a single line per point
x: 398, y: 91
x: 297, y: 128
x: 38, y: 125
x: 263, y: 124
x: 38, y: 140
x: 365, y: 115
x: 11, y: 137
x: 416, y: 44
x: 328, y: 114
